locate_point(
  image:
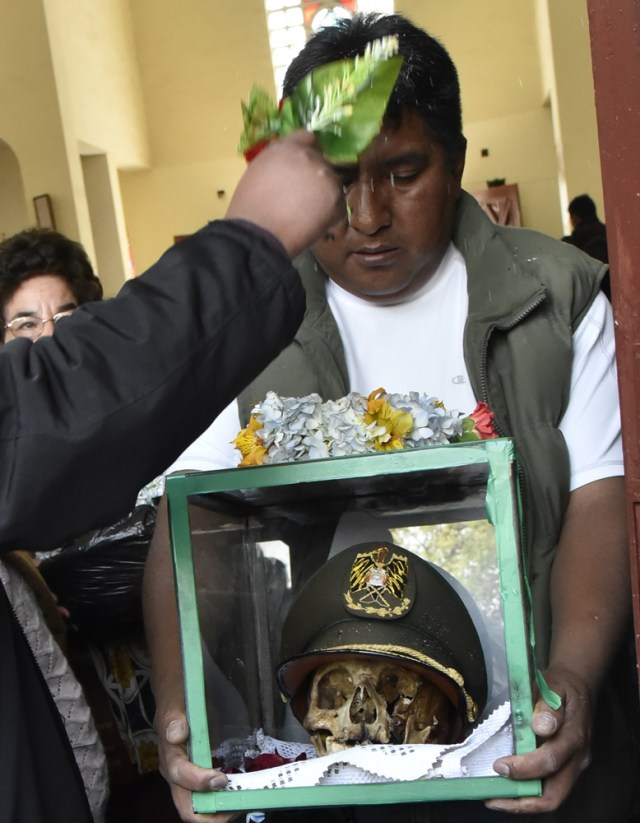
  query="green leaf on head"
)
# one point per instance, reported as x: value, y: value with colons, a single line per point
x: 343, y: 103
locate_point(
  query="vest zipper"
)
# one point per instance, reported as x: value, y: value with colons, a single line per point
x: 519, y: 473
x: 535, y: 302
x: 485, y: 348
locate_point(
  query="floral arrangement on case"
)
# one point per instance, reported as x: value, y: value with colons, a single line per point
x: 343, y: 103
x: 285, y: 429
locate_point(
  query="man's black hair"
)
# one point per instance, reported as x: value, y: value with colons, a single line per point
x: 43, y: 251
x: 583, y: 207
x: 428, y: 81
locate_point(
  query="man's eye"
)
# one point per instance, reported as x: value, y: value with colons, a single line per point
x: 26, y: 324
x: 400, y: 177
x: 347, y: 175
x: 346, y: 183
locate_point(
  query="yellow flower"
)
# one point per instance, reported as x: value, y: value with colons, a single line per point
x: 394, y: 424
x: 250, y: 445
x: 375, y: 401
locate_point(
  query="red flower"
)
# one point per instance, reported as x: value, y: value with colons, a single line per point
x: 269, y: 761
x: 255, y: 150
x: 264, y: 761
x: 483, y: 422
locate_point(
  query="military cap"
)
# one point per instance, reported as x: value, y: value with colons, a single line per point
x: 380, y: 599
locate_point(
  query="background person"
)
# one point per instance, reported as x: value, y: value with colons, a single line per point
x: 134, y: 380
x: 44, y: 276
x: 589, y: 233
x: 470, y: 311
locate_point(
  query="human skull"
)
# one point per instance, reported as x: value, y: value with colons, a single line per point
x: 362, y: 701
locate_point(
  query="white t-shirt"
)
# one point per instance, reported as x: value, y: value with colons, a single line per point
x: 386, y: 346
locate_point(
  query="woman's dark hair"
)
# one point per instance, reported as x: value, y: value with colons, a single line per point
x: 43, y: 251
x: 428, y: 81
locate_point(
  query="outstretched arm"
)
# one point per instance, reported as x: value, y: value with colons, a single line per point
x: 129, y: 383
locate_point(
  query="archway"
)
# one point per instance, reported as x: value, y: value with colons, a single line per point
x: 13, y: 206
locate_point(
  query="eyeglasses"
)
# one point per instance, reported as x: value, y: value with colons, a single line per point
x: 32, y: 326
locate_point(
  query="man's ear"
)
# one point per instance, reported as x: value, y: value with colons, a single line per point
x: 457, y: 164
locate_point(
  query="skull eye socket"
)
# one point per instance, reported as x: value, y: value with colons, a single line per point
x: 395, y: 683
x: 388, y: 685
x: 334, y: 689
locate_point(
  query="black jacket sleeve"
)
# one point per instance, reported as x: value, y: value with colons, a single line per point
x: 90, y: 415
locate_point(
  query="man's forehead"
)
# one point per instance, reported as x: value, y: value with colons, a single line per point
x: 408, y: 141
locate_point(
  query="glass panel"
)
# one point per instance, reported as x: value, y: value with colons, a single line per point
x: 382, y: 6
x: 294, y: 17
x: 271, y: 5
x: 283, y: 15
x: 283, y: 56
x: 277, y: 20
x: 286, y: 39
x: 328, y: 17
x: 254, y: 549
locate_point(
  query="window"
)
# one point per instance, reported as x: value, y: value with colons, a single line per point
x: 292, y: 22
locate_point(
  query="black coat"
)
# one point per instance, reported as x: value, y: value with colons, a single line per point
x: 89, y: 416
x: 591, y: 237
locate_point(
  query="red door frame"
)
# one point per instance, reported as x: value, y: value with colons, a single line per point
x: 615, y: 49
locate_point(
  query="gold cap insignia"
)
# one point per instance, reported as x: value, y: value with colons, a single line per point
x: 379, y: 584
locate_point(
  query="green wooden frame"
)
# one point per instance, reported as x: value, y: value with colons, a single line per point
x: 503, y: 513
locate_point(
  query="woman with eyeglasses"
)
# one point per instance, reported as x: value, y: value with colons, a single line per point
x: 44, y: 277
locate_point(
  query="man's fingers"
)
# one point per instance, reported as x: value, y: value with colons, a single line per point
x: 562, y: 755
x: 180, y: 770
x: 545, y: 721
x: 556, y: 789
x: 177, y: 731
x: 182, y: 802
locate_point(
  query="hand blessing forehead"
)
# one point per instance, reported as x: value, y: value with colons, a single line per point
x: 291, y: 192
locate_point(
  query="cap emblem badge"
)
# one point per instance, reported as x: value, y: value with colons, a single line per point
x: 378, y: 581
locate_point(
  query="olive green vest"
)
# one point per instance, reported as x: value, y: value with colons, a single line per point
x: 527, y: 295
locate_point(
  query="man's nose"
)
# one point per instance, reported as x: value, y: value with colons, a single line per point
x: 369, y: 208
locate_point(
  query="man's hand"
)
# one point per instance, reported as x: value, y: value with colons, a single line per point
x: 183, y: 776
x: 290, y: 191
x: 563, y: 747
x: 591, y: 604
x: 161, y: 624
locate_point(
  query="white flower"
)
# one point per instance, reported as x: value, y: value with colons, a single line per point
x: 298, y: 428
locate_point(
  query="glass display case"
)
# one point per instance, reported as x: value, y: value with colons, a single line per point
x: 246, y: 543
